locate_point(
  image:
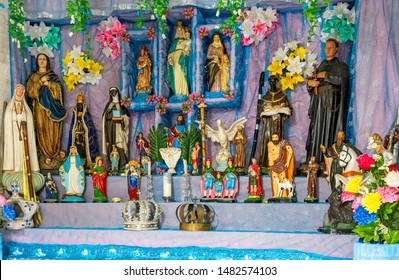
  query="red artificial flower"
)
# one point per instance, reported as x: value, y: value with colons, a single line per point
x: 365, y: 161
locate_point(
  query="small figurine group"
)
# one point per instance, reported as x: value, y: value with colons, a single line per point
x: 219, y: 186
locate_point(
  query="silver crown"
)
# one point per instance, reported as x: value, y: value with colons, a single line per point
x: 141, y: 214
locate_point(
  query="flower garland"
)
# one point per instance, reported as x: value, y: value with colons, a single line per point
x: 79, y: 12
x: 257, y: 24
x: 159, y: 10
x: 193, y: 99
x: 126, y: 101
x: 110, y: 33
x: 339, y: 23
x: 312, y: 13
x: 16, y: 24
x: 231, y: 24
x: 151, y: 33
x: 375, y: 200
x: 159, y: 101
x: 229, y: 94
x: 202, y: 32
x: 292, y: 64
x: 188, y: 12
x: 79, y: 68
x: 41, y: 38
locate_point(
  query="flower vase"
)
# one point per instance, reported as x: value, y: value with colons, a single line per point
x: 377, y: 251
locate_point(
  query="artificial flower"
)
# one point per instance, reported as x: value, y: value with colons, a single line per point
x: 365, y: 162
x: 256, y: 24
x: 376, y: 203
x: 339, y: 23
x: 79, y: 68
x: 41, y: 38
x: 392, y: 179
x: 110, y: 34
x: 292, y: 63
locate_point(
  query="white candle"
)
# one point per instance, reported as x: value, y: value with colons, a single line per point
x: 185, y: 166
x: 167, y: 184
x: 149, y: 167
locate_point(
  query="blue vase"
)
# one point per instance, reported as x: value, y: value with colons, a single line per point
x: 376, y: 251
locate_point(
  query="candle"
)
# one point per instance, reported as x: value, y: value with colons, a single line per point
x: 149, y: 167
x: 185, y: 166
x: 167, y: 184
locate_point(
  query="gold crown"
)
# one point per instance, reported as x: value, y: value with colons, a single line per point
x: 195, y: 217
x: 141, y: 214
x: 80, y: 98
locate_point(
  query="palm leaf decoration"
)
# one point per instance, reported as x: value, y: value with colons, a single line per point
x: 187, y: 141
x: 157, y: 138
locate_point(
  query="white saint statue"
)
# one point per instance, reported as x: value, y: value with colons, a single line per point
x: 171, y: 156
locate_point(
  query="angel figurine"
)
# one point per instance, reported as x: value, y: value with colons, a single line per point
x: 223, y: 136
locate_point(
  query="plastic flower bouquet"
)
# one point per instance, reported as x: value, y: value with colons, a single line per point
x: 257, y: 24
x: 292, y: 64
x: 41, y: 38
x: 339, y: 23
x: 193, y: 99
x: 110, y: 33
x: 375, y: 200
x: 79, y: 68
x: 159, y: 101
x: 126, y: 101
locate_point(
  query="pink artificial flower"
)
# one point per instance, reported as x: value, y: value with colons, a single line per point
x: 3, y: 200
x: 388, y: 194
x: 116, y: 52
x: 247, y: 41
x: 109, y: 37
x: 365, y: 161
x: 357, y: 202
x: 347, y: 196
x: 259, y: 27
x: 117, y: 29
x: 100, y: 38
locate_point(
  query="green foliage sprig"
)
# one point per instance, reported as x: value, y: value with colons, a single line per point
x: 187, y: 141
x: 312, y: 12
x: 231, y: 25
x: 79, y: 12
x: 159, y: 11
x: 16, y: 23
x: 158, y: 139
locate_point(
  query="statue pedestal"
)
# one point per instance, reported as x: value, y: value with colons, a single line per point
x: 221, y: 159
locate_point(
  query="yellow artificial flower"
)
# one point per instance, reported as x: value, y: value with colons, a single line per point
x: 372, y: 202
x: 353, y: 185
x: 95, y: 67
x: 82, y: 63
x: 70, y: 81
x: 297, y: 78
x: 301, y: 51
x: 287, y: 82
x: 276, y: 68
x: 292, y: 56
x: 67, y: 58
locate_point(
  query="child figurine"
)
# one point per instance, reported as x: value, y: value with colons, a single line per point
x: 51, y: 189
x: 207, y: 180
x: 225, y: 71
x: 114, y: 161
x: 218, y: 185
x: 255, y: 189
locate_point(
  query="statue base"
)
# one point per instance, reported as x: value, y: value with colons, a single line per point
x: 167, y: 198
x: 311, y: 200
x: 331, y: 230
x: 219, y: 199
x: 51, y: 201
x: 264, y: 171
x: 253, y: 199
x: 282, y: 200
x: 73, y: 199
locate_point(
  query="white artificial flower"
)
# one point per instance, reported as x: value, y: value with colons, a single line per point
x: 70, y: 34
x: 307, y: 70
x: 72, y: 19
x: 310, y: 58
x: 295, y: 65
x: 351, y: 17
x: 163, y: 17
x: 280, y: 55
x: 328, y: 14
x: 73, y: 68
x: 25, y: 60
x: 46, y: 50
x: 217, y: 13
x: 43, y: 30
x: 33, y: 50
x: 163, y: 36
x: 107, y: 51
x: 152, y: 16
x: 324, y: 36
x: 270, y: 16
x: 246, y: 29
x: 290, y: 45
x: 76, y: 52
x: 34, y: 32
x: 392, y: 179
x: 341, y: 9
x: 27, y: 28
